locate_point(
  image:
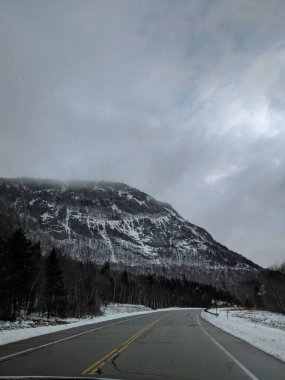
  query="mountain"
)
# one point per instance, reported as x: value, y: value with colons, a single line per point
x: 108, y: 221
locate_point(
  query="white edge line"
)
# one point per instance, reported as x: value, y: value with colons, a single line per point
x: 236, y: 361
x: 63, y: 339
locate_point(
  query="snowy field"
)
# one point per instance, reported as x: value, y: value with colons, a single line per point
x: 262, y: 329
x: 19, y: 330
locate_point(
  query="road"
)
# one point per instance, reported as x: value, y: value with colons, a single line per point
x: 156, y: 346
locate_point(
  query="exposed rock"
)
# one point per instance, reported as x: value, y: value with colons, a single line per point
x: 106, y: 221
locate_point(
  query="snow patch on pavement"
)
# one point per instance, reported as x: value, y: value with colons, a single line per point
x: 261, y: 329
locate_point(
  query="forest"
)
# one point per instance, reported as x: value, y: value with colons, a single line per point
x: 53, y: 284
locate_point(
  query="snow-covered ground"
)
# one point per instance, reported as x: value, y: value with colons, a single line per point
x: 262, y: 329
x: 14, y: 331
x: 114, y: 308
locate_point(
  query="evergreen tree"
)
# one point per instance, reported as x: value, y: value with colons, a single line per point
x: 55, y: 292
x: 34, y: 260
x: 20, y: 270
x: 4, y: 284
x: 105, y: 269
x: 125, y: 279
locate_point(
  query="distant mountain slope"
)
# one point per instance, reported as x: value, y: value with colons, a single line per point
x: 107, y: 221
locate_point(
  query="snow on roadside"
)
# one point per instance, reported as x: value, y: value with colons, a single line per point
x: 15, y: 331
x: 112, y: 308
x: 262, y: 329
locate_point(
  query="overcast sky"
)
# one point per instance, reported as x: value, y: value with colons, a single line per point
x: 184, y: 100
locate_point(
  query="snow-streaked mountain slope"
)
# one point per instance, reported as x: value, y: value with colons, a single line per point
x: 106, y: 221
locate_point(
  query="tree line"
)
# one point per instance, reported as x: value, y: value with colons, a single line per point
x: 53, y: 284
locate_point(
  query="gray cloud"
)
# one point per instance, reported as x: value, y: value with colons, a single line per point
x: 184, y: 100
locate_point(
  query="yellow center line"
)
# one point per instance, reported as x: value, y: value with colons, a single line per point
x: 107, y: 358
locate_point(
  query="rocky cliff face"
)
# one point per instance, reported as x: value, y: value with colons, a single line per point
x: 106, y: 221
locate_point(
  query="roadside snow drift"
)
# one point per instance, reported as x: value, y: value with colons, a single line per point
x: 15, y: 331
x: 262, y: 329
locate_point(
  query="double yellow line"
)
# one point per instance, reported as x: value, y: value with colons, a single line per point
x: 107, y: 358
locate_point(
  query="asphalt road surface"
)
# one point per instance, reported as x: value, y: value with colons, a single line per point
x: 162, y: 345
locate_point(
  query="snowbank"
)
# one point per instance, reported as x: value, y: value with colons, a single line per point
x: 15, y: 331
x: 262, y: 329
x: 123, y: 308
